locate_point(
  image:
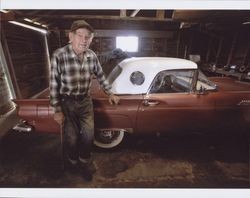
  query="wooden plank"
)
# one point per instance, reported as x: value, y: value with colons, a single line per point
x: 160, y: 14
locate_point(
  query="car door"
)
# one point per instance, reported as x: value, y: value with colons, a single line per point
x: 175, y: 107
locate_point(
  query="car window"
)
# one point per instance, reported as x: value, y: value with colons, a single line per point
x: 172, y: 81
x: 114, y: 74
x: 137, y: 78
x: 204, y: 83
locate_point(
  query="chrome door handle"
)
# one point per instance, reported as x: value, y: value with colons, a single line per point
x: 150, y: 102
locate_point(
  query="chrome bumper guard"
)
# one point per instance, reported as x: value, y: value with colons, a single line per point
x: 22, y: 126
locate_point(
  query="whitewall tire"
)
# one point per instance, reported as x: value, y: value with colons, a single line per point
x: 108, y: 138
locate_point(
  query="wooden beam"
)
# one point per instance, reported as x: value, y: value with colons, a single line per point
x: 160, y: 14
x: 99, y: 17
x: 123, y: 13
x: 139, y: 33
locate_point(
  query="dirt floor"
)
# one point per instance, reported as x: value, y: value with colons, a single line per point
x: 188, y: 161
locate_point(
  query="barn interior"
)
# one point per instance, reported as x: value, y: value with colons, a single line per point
x: 217, y: 40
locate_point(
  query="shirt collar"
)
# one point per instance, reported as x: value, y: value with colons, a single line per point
x: 73, y: 54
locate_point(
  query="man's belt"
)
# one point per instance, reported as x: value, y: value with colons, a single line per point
x: 74, y: 97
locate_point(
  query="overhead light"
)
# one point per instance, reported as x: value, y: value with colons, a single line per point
x: 182, y: 25
x: 29, y: 20
x: 246, y: 23
x: 29, y: 27
x: 37, y: 23
x: 4, y: 11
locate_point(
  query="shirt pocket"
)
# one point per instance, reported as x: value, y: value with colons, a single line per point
x: 70, y: 76
x: 89, y: 66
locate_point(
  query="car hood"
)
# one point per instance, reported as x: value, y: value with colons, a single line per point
x: 229, y: 84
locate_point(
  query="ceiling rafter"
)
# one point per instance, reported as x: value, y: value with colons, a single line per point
x: 96, y: 17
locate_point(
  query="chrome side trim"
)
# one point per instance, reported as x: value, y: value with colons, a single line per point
x: 244, y: 103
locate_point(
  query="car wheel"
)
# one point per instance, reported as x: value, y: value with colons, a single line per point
x: 242, y: 68
x: 108, y: 138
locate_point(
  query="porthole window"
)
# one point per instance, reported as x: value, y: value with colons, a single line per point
x: 137, y: 78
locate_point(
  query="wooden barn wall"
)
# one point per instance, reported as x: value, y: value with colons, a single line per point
x: 55, y: 41
x: 27, y: 50
x: 148, y: 45
x: 220, y: 48
x: 224, y: 48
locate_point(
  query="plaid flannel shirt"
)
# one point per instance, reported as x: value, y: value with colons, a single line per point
x: 70, y: 76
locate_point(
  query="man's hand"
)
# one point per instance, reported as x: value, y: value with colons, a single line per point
x: 59, y: 117
x: 113, y: 99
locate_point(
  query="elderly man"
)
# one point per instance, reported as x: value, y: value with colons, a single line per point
x: 72, y: 67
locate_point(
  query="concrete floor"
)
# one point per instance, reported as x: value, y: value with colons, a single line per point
x: 190, y: 161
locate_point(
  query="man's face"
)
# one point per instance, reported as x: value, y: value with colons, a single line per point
x: 80, y: 39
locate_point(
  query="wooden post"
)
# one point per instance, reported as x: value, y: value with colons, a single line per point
x: 123, y: 13
x: 246, y: 54
x: 209, y: 49
x: 59, y: 38
x: 219, y: 51
x: 178, y: 43
x: 189, y: 47
x: 230, y: 55
x: 160, y: 14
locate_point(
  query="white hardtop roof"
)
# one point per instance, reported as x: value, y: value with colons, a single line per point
x: 158, y: 63
x: 150, y: 67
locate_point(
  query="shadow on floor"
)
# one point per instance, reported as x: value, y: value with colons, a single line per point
x: 190, y: 161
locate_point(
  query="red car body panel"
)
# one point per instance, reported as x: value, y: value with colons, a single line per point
x: 228, y: 106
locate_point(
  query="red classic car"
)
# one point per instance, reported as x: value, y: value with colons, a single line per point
x: 158, y: 95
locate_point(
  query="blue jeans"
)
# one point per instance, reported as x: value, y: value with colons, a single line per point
x: 78, y: 129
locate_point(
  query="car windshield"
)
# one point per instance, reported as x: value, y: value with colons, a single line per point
x: 114, y: 74
x: 203, y: 82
